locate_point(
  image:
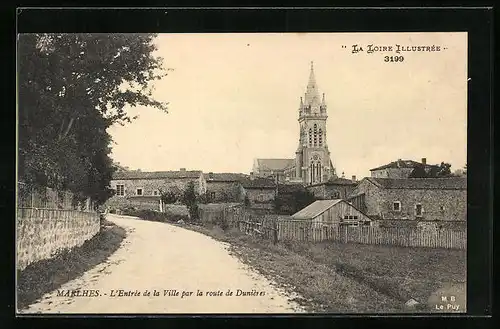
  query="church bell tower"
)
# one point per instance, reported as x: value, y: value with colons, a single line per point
x: 312, y: 158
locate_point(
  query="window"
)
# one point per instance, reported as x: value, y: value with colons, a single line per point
x: 396, y: 206
x: 441, y: 208
x: 346, y: 217
x: 120, y: 190
x: 320, y: 137
x: 418, y: 210
x: 315, y: 134
x: 310, y: 137
x: 138, y: 191
x: 355, y: 217
x: 212, y: 195
x: 155, y: 192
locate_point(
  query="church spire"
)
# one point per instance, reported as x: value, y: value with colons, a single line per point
x: 312, y: 94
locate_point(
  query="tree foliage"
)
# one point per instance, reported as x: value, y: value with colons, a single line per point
x: 168, y: 197
x: 72, y: 87
x: 290, y: 203
x: 190, y: 200
x: 443, y: 170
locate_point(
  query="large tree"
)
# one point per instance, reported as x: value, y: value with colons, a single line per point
x: 442, y: 170
x: 72, y: 87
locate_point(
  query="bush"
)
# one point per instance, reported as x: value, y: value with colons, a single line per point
x: 155, y: 215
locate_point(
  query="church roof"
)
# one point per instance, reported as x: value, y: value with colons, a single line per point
x: 275, y: 164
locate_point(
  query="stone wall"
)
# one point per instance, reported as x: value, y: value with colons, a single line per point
x: 397, y: 173
x: 149, y: 186
x: 143, y: 203
x: 260, y: 198
x: 42, y: 233
x: 437, y: 204
x: 150, y: 198
x: 224, y: 191
x: 330, y: 191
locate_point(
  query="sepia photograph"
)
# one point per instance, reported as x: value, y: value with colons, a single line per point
x: 241, y: 173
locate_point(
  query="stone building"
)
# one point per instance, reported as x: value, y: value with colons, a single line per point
x: 422, y: 199
x: 224, y: 187
x: 400, y: 169
x: 312, y: 163
x: 142, y: 189
x: 336, y: 188
x: 272, y: 168
x: 260, y: 192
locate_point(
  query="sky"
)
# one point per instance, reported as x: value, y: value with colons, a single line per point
x: 235, y: 97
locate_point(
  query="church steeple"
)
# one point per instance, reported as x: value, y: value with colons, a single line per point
x: 312, y: 161
x: 312, y: 94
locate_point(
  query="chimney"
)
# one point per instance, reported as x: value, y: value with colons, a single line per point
x: 183, y: 169
x: 210, y: 175
x: 424, y: 161
x: 252, y: 176
x: 399, y: 163
x: 354, y: 178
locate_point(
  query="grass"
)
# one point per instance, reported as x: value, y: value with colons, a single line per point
x: 349, y: 278
x: 45, y: 276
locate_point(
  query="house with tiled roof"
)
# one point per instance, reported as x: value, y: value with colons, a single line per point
x: 224, y: 187
x: 260, y: 192
x: 334, y: 188
x: 141, y: 189
x: 401, y: 169
x: 412, y: 199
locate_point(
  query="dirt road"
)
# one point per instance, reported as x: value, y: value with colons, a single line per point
x: 190, y: 273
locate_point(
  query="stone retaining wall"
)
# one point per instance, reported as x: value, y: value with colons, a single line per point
x: 42, y: 233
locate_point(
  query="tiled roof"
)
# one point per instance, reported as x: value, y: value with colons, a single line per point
x: 290, y: 188
x: 275, y: 164
x: 449, y: 183
x: 337, y: 181
x: 315, y: 208
x: 224, y: 177
x: 156, y: 174
x: 262, y: 183
x: 403, y: 164
x: 218, y: 206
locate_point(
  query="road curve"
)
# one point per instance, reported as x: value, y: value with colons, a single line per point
x: 170, y: 260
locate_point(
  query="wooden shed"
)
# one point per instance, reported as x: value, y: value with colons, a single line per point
x: 336, y: 211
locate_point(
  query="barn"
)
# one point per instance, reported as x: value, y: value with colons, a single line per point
x: 337, y: 212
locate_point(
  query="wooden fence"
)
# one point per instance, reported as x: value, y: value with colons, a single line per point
x: 295, y: 230
x: 258, y: 229
x: 281, y: 228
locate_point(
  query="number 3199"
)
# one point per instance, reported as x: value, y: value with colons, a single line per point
x: 394, y: 58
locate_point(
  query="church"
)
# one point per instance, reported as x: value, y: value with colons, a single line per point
x: 312, y: 163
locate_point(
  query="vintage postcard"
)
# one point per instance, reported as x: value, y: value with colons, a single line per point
x: 242, y: 173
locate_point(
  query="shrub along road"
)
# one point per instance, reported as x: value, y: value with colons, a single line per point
x: 163, y: 268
